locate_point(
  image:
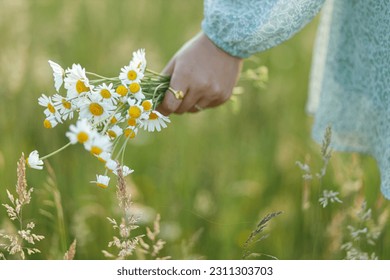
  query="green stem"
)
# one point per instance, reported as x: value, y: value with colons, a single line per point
x: 155, y: 73
x: 56, y: 151
x: 110, y: 117
x: 99, y: 76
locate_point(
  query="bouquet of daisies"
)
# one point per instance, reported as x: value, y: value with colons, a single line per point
x: 108, y: 111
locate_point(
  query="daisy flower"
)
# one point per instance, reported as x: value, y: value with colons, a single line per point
x: 95, y: 110
x: 76, y: 81
x: 125, y: 170
x: 102, y: 181
x: 82, y: 132
x: 58, y: 74
x: 130, y: 74
x: 112, y: 165
x: 115, y: 131
x: 147, y: 105
x: 133, y: 122
x: 135, y: 111
x: 98, y: 144
x: 139, y: 60
x: 130, y: 132
x: 107, y: 93
x: 136, y: 90
x: 117, y: 118
x: 51, y: 109
x: 50, y: 122
x: 156, y: 121
x: 33, y: 160
x: 65, y: 107
x: 122, y: 90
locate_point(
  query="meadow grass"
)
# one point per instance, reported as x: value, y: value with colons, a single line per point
x: 211, y: 176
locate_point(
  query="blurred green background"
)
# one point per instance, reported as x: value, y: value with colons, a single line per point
x: 212, y: 176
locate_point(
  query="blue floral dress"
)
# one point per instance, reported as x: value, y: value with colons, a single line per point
x: 350, y: 79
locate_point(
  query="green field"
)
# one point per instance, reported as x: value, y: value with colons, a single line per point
x: 212, y: 176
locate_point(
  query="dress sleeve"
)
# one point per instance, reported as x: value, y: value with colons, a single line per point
x: 243, y: 28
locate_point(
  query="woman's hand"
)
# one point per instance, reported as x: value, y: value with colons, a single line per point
x: 204, y: 73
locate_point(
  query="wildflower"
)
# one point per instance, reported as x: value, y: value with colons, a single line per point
x: 102, y: 181
x: 155, y: 121
x: 147, y: 105
x: 117, y: 118
x: 112, y: 165
x: 76, y: 81
x: 107, y: 93
x: 329, y: 196
x: 50, y: 122
x: 33, y: 160
x: 51, y: 109
x: 130, y: 132
x: 95, y: 110
x: 98, y: 144
x: 115, y: 131
x: 58, y: 74
x: 135, y: 111
x: 125, y: 170
x: 130, y: 74
x: 81, y: 132
x: 65, y: 107
x: 136, y: 90
x: 139, y: 61
x: 122, y: 90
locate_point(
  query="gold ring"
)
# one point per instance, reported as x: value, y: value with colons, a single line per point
x: 177, y: 93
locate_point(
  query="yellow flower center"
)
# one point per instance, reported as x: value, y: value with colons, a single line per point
x: 47, y: 123
x: 121, y: 90
x: 51, y: 108
x: 153, y: 116
x: 66, y: 104
x: 105, y: 93
x: 134, y: 87
x: 101, y: 185
x: 131, y: 122
x: 132, y: 75
x: 135, y: 112
x: 96, y: 150
x: 81, y: 87
x: 113, y: 120
x: 82, y: 137
x: 96, y: 109
x: 112, y: 134
x: 129, y: 133
x: 147, y: 104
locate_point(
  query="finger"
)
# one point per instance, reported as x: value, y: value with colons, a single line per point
x: 200, y: 105
x: 189, y: 101
x: 170, y: 103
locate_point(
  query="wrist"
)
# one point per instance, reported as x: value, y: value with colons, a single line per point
x: 207, y: 41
